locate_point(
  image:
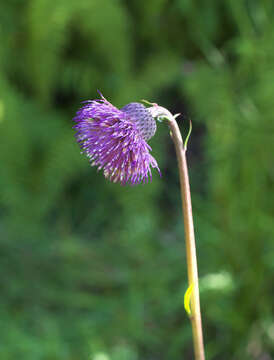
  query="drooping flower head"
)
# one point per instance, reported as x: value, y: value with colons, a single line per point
x: 115, y: 140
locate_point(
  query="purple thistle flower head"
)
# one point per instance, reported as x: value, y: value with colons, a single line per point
x: 115, y: 140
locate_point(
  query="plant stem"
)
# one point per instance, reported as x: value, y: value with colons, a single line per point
x: 160, y: 113
x: 191, y: 257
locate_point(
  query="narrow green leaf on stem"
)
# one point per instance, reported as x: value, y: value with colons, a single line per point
x: 187, y: 299
x: 188, y: 135
x: 148, y: 102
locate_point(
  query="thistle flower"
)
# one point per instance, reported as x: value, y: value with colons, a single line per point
x: 115, y: 140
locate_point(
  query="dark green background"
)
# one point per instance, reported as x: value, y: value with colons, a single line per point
x: 93, y: 270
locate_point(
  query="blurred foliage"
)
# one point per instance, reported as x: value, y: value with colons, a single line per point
x: 92, y: 270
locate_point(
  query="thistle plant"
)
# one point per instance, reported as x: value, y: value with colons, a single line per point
x: 116, y: 141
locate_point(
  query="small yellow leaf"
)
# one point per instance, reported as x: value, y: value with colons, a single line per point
x: 187, y: 299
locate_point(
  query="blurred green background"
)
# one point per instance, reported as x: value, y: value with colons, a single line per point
x: 93, y: 270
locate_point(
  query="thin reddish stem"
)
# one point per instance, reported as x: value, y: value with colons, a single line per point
x: 192, y: 267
